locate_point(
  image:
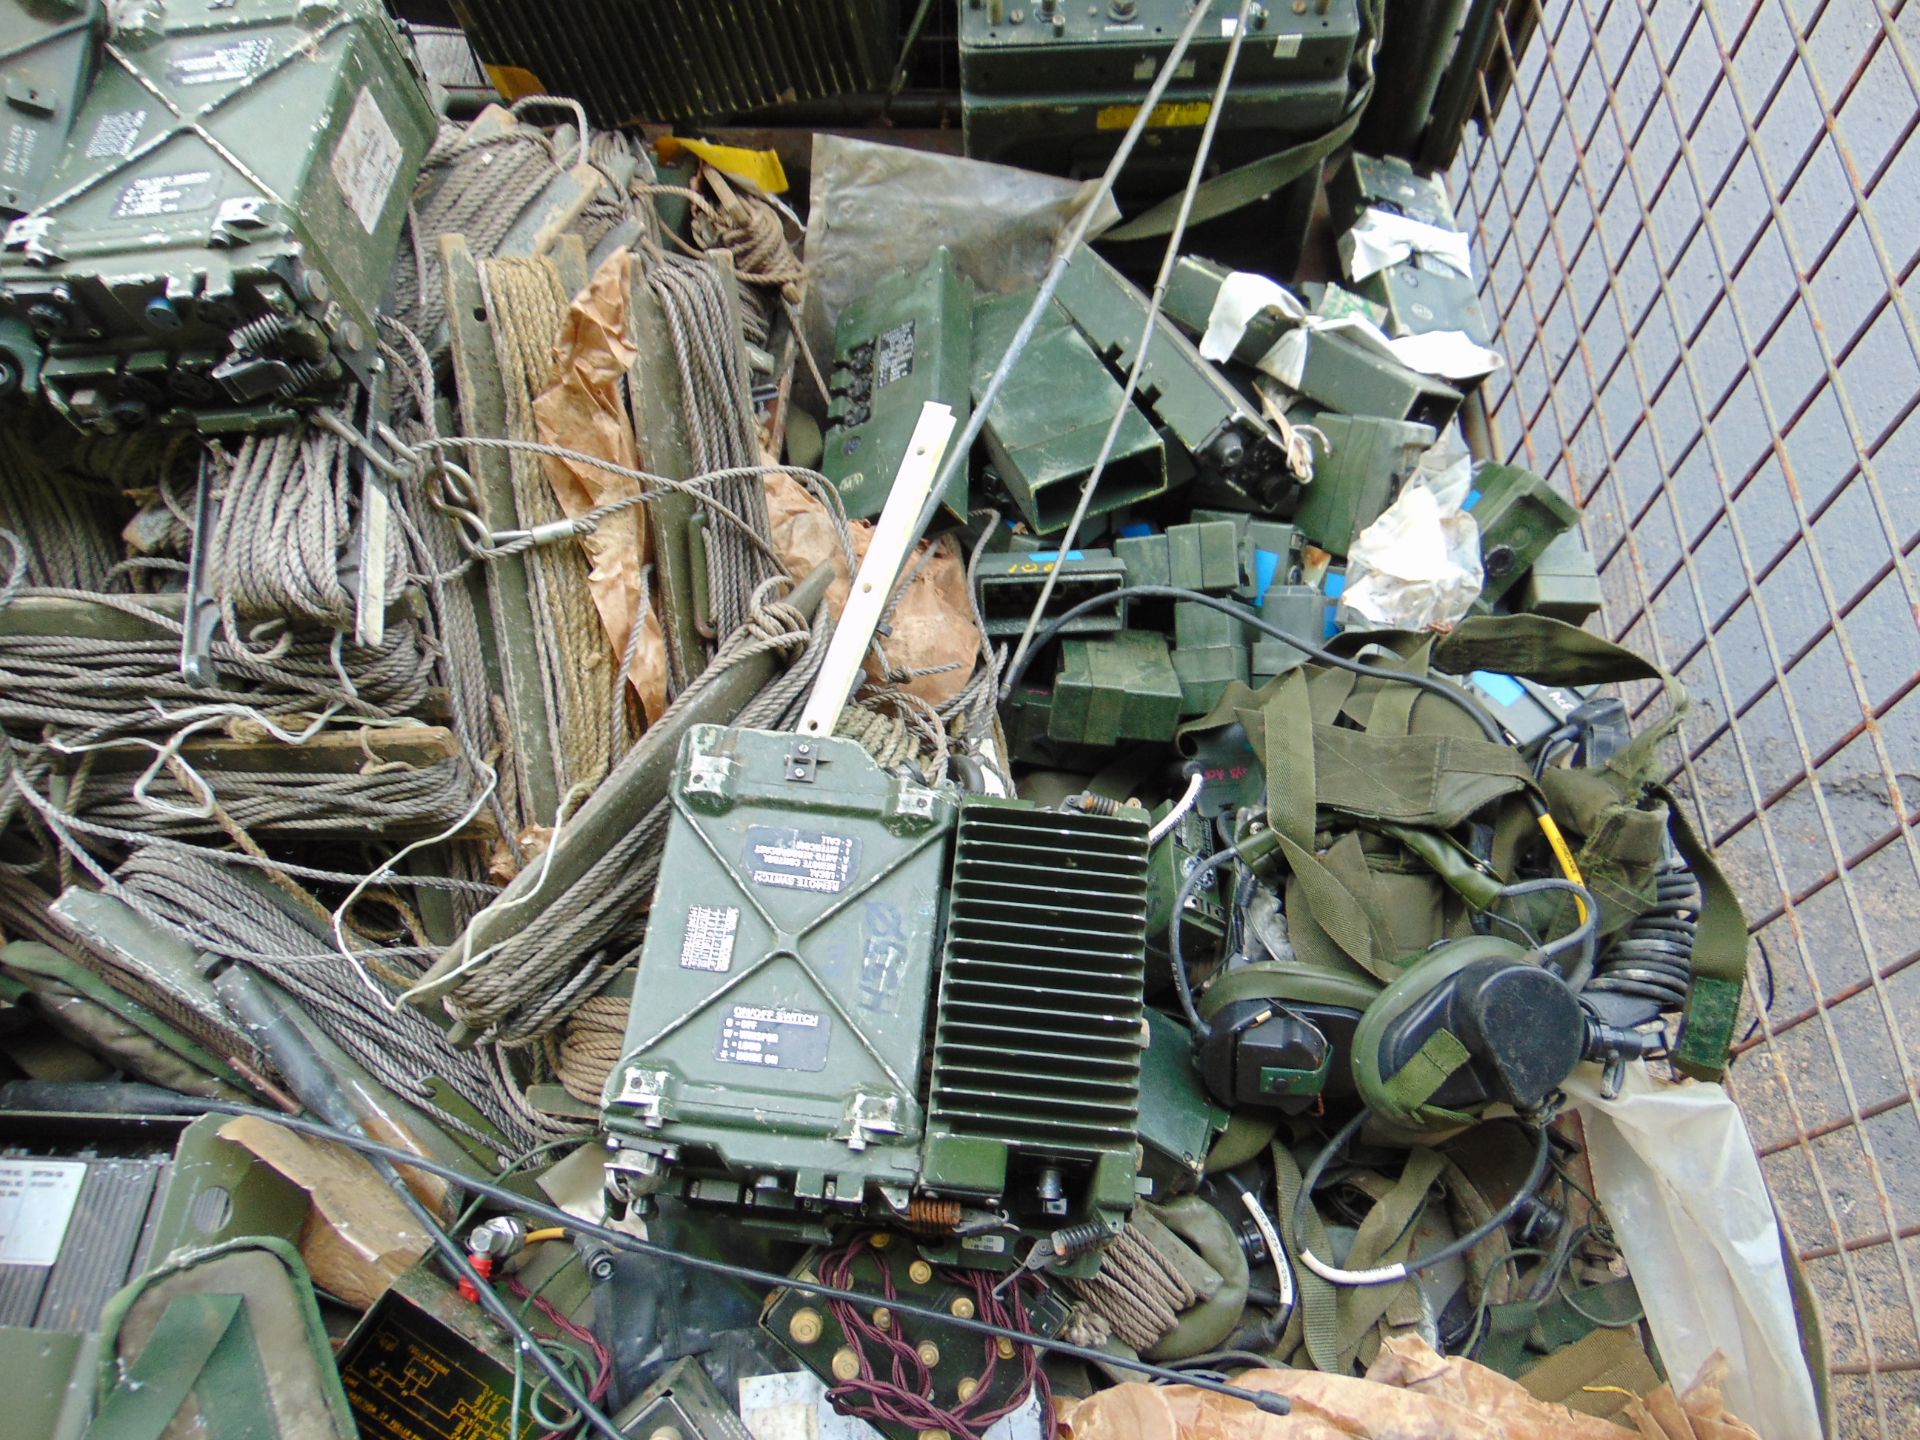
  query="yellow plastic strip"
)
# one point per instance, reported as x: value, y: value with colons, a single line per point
x: 1168, y: 115
x: 513, y: 83
x: 760, y: 167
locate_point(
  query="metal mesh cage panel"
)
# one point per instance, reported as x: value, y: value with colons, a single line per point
x: 1698, y: 224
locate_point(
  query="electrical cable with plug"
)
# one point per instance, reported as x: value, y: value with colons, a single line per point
x: 167, y: 1103
x: 1401, y: 1269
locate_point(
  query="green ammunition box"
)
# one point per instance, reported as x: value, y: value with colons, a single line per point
x: 1519, y: 515
x: 1047, y: 424
x: 1051, y: 85
x: 1338, y: 372
x: 1204, y: 556
x: 214, y: 240
x: 1375, y: 182
x: 1419, y: 294
x: 48, y: 49
x: 1009, y: 584
x: 1336, y: 302
x: 1147, y: 558
x: 1299, y: 610
x: 1205, y: 674
x: 1422, y: 295
x: 1120, y: 688
x: 1026, y: 715
x: 1268, y: 554
x: 906, y: 342
x: 1196, y: 407
x: 1201, y: 627
x: 1356, y: 475
x: 1562, y: 583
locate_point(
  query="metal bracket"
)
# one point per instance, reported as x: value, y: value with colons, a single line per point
x: 802, y: 761
x: 870, y: 1118
x: 234, y: 218
x: 30, y: 234
x: 202, y: 615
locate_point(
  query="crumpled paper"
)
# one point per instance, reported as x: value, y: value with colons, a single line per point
x: 583, y: 408
x: 1417, y: 566
x: 1410, y: 1393
x: 1449, y: 354
x: 932, y: 626
x: 1381, y: 238
x: 358, y: 1236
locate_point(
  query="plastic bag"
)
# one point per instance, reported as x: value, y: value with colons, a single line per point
x: 1675, y: 1170
x: 883, y: 210
x: 1418, y: 564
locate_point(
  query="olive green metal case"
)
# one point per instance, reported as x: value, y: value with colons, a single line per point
x: 213, y: 242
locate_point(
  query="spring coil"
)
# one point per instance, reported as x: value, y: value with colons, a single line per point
x: 1078, y: 1239
x: 305, y: 372
x: 254, y: 336
x: 1652, y: 957
x: 933, y: 1218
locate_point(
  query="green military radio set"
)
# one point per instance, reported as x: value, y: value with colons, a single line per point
x: 180, y: 254
x: 865, y: 998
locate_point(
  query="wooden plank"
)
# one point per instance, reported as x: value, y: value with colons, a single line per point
x: 58, y: 616
x: 665, y: 449
x: 483, y: 411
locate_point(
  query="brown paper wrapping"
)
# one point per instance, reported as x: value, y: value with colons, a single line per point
x: 583, y: 409
x: 1410, y: 1393
x: 934, y: 623
x: 357, y: 1236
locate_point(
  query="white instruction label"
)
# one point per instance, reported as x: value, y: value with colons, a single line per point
x: 36, y: 1202
x: 115, y: 134
x: 708, y: 943
x: 17, y: 154
x: 782, y: 859
x: 154, y: 195
x: 220, y: 64
x: 367, y: 160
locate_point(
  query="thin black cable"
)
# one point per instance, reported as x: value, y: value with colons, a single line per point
x: 1183, y: 982
x: 620, y: 1240
x: 1453, y: 694
x: 1400, y: 1270
x: 1580, y: 938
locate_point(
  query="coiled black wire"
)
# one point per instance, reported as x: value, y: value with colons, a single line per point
x: 1652, y: 958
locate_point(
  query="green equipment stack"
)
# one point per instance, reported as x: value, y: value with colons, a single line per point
x: 196, y: 259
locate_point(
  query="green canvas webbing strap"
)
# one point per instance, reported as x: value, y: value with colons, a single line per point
x: 1314, y: 1323
x: 1550, y: 652
x: 1384, y: 1238
x: 1719, y: 958
x: 234, y: 1326
x: 1358, y: 929
x: 201, y: 1342
x: 1226, y: 193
